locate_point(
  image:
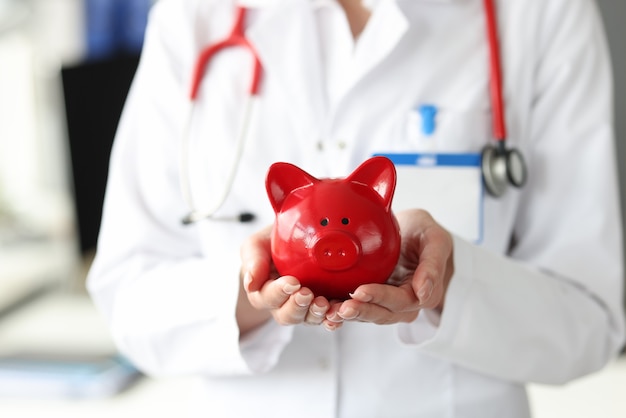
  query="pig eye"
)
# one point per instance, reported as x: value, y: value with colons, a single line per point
x: 324, y: 222
x: 345, y: 221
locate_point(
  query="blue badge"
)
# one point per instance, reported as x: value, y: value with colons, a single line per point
x: 448, y: 186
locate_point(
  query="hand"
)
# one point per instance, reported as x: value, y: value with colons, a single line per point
x: 265, y: 295
x: 419, y: 281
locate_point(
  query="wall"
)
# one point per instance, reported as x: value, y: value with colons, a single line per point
x: 614, y: 15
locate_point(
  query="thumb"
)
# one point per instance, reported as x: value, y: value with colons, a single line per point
x: 256, y: 260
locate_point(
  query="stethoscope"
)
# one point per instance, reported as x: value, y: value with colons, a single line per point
x: 236, y: 38
x: 500, y: 165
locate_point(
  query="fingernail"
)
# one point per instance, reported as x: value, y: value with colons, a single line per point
x: 317, y: 310
x: 334, y: 317
x: 330, y: 326
x: 361, y: 296
x: 425, y: 291
x: 348, y: 313
x: 303, y: 300
x: 290, y: 289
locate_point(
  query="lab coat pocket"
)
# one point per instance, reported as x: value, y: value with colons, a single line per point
x: 438, y: 164
x: 442, y: 129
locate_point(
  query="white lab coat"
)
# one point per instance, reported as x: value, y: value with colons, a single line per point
x: 538, y: 301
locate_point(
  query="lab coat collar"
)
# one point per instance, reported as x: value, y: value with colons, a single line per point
x: 257, y: 4
x: 282, y: 37
x: 270, y: 3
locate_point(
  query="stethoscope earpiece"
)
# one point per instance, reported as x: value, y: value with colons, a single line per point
x: 501, y: 167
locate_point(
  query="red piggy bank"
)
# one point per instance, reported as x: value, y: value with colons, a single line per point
x: 334, y: 234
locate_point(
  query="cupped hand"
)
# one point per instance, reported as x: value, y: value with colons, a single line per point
x: 266, y: 295
x: 419, y: 281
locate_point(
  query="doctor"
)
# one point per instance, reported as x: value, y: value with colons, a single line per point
x: 536, y: 299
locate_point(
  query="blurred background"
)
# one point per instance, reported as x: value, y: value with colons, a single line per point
x: 65, y: 68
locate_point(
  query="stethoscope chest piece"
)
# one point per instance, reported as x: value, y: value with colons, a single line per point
x: 501, y: 167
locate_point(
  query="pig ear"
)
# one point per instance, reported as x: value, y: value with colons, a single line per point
x: 379, y: 173
x: 282, y: 179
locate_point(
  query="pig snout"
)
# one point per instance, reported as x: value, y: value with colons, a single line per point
x: 336, y: 251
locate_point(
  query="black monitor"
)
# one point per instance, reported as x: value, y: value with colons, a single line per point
x: 95, y: 93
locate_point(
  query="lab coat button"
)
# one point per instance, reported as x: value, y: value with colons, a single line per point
x: 342, y: 145
x: 320, y: 145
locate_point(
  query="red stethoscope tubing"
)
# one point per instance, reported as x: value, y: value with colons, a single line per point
x: 236, y: 38
x: 495, y: 67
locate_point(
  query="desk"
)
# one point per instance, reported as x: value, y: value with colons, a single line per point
x: 167, y: 398
x: 68, y: 319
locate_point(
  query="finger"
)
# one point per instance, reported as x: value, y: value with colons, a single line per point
x: 429, y: 279
x: 427, y: 284
x: 427, y: 248
x: 256, y: 259
x: 317, y: 311
x: 295, y: 309
x: 333, y: 321
x: 332, y: 325
x: 274, y: 293
x: 353, y: 310
x: 393, y: 298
